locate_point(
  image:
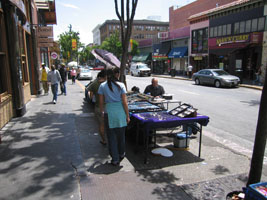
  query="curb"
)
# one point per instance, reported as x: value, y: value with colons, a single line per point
x: 187, y: 79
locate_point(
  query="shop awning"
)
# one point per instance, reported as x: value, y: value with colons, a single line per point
x: 178, y: 52
x: 141, y: 58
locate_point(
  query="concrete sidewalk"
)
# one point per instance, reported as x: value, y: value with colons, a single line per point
x: 53, y: 152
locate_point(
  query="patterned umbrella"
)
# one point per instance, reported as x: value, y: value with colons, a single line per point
x: 107, y: 58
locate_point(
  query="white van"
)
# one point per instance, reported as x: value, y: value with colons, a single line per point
x: 140, y: 69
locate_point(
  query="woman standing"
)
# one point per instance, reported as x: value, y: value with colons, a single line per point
x: 113, y: 93
x: 73, y: 75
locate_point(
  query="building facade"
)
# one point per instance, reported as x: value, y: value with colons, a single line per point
x: 96, y: 35
x: 19, y: 56
x: 142, y: 29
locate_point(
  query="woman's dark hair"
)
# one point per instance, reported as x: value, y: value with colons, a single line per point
x: 112, y: 79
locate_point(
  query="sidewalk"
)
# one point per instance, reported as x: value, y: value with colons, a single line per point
x: 246, y: 85
x: 53, y: 152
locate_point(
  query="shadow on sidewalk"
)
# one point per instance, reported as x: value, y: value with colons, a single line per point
x: 38, y: 149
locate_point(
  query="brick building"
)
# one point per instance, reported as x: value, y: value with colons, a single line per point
x: 142, y: 29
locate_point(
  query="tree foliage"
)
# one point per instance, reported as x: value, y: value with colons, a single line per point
x: 65, y: 41
x: 113, y: 44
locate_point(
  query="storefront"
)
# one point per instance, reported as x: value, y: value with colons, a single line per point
x: 236, y: 39
x: 160, y: 61
x: 239, y: 54
x: 179, y: 57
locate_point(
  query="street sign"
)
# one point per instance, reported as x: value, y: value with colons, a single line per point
x: 53, y: 55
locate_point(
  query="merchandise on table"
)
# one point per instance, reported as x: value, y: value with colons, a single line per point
x: 136, y: 107
x: 184, y: 110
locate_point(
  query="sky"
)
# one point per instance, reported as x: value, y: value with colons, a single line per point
x: 85, y: 15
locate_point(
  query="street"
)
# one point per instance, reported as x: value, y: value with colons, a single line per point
x: 233, y: 112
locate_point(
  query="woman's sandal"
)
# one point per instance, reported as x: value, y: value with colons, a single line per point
x: 103, y: 143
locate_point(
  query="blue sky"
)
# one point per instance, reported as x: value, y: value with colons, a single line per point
x: 85, y: 15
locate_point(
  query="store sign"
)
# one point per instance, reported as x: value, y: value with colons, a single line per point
x: 54, y: 55
x: 74, y: 44
x: 45, y: 44
x: 198, y: 58
x: 45, y: 31
x: 232, y: 39
x: 45, y: 40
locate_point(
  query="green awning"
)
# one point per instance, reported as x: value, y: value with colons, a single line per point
x: 141, y: 58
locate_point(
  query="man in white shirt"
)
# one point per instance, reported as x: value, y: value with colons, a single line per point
x: 190, y: 69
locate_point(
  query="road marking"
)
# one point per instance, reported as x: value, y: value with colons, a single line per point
x: 81, y: 85
x: 189, y: 92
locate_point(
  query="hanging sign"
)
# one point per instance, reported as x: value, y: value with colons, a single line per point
x: 54, y: 55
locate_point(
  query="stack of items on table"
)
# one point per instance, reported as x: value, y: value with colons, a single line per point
x: 141, y: 103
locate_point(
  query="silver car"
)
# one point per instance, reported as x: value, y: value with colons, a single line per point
x: 216, y: 77
x: 85, y: 74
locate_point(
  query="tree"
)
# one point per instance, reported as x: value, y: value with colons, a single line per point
x: 65, y: 41
x: 113, y: 44
x: 260, y: 140
x: 126, y: 29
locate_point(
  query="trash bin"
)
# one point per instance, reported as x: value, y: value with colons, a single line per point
x: 179, y: 141
x: 173, y: 72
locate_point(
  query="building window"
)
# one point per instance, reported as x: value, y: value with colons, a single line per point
x: 211, y: 31
x: 242, y: 27
x: 236, y: 28
x: 215, y: 31
x: 229, y: 29
x: 219, y: 30
x: 254, y: 25
x: 200, y: 41
x: 261, y: 24
x: 224, y: 30
x: 248, y: 26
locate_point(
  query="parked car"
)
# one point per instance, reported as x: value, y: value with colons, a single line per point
x: 99, y: 67
x: 140, y: 69
x: 216, y: 77
x: 85, y: 74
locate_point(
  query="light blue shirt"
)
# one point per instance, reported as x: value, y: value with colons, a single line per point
x: 112, y: 96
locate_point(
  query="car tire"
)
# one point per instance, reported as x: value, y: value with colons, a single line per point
x: 197, y: 81
x: 217, y: 84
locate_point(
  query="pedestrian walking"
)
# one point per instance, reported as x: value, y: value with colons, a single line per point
x: 93, y: 93
x: 257, y: 74
x: 64, y: 78
x: 190, y: 69
x: 113, y: 94
x: 54, y: 78
x: 44, y: 73
x: 73, y: 75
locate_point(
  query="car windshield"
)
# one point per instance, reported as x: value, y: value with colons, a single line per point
x: 220, y: 73
x: 143, y: 67
x: 85, y: 70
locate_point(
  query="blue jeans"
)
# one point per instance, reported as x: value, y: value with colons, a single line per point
x: 54, y: 91
x: 63, y: 86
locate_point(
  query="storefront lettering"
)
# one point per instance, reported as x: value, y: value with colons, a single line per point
x: 232, y: 39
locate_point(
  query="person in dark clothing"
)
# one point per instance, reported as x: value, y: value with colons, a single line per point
x: 154, y: 89
x: 63, y: 74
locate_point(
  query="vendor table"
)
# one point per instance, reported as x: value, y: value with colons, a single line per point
x: 151, y: 121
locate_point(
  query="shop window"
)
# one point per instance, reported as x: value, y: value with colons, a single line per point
x: 242, y: 27
x: 3, y: 83
x: 254, y: 25
x: 215, y: 31
x: 224, y: 30
x: 25, y: 76
x: 261, y: 24
x: 236, y: 28
x: 211, y: 31
x: 248, y: 26
x: 229, y: 29
x: 219, y: 30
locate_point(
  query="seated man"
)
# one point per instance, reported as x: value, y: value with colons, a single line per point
x: 154, y: 89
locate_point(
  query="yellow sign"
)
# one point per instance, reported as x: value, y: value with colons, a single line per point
x: 74, y: 44
x: 232, y: 39
x: 198, y: 58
